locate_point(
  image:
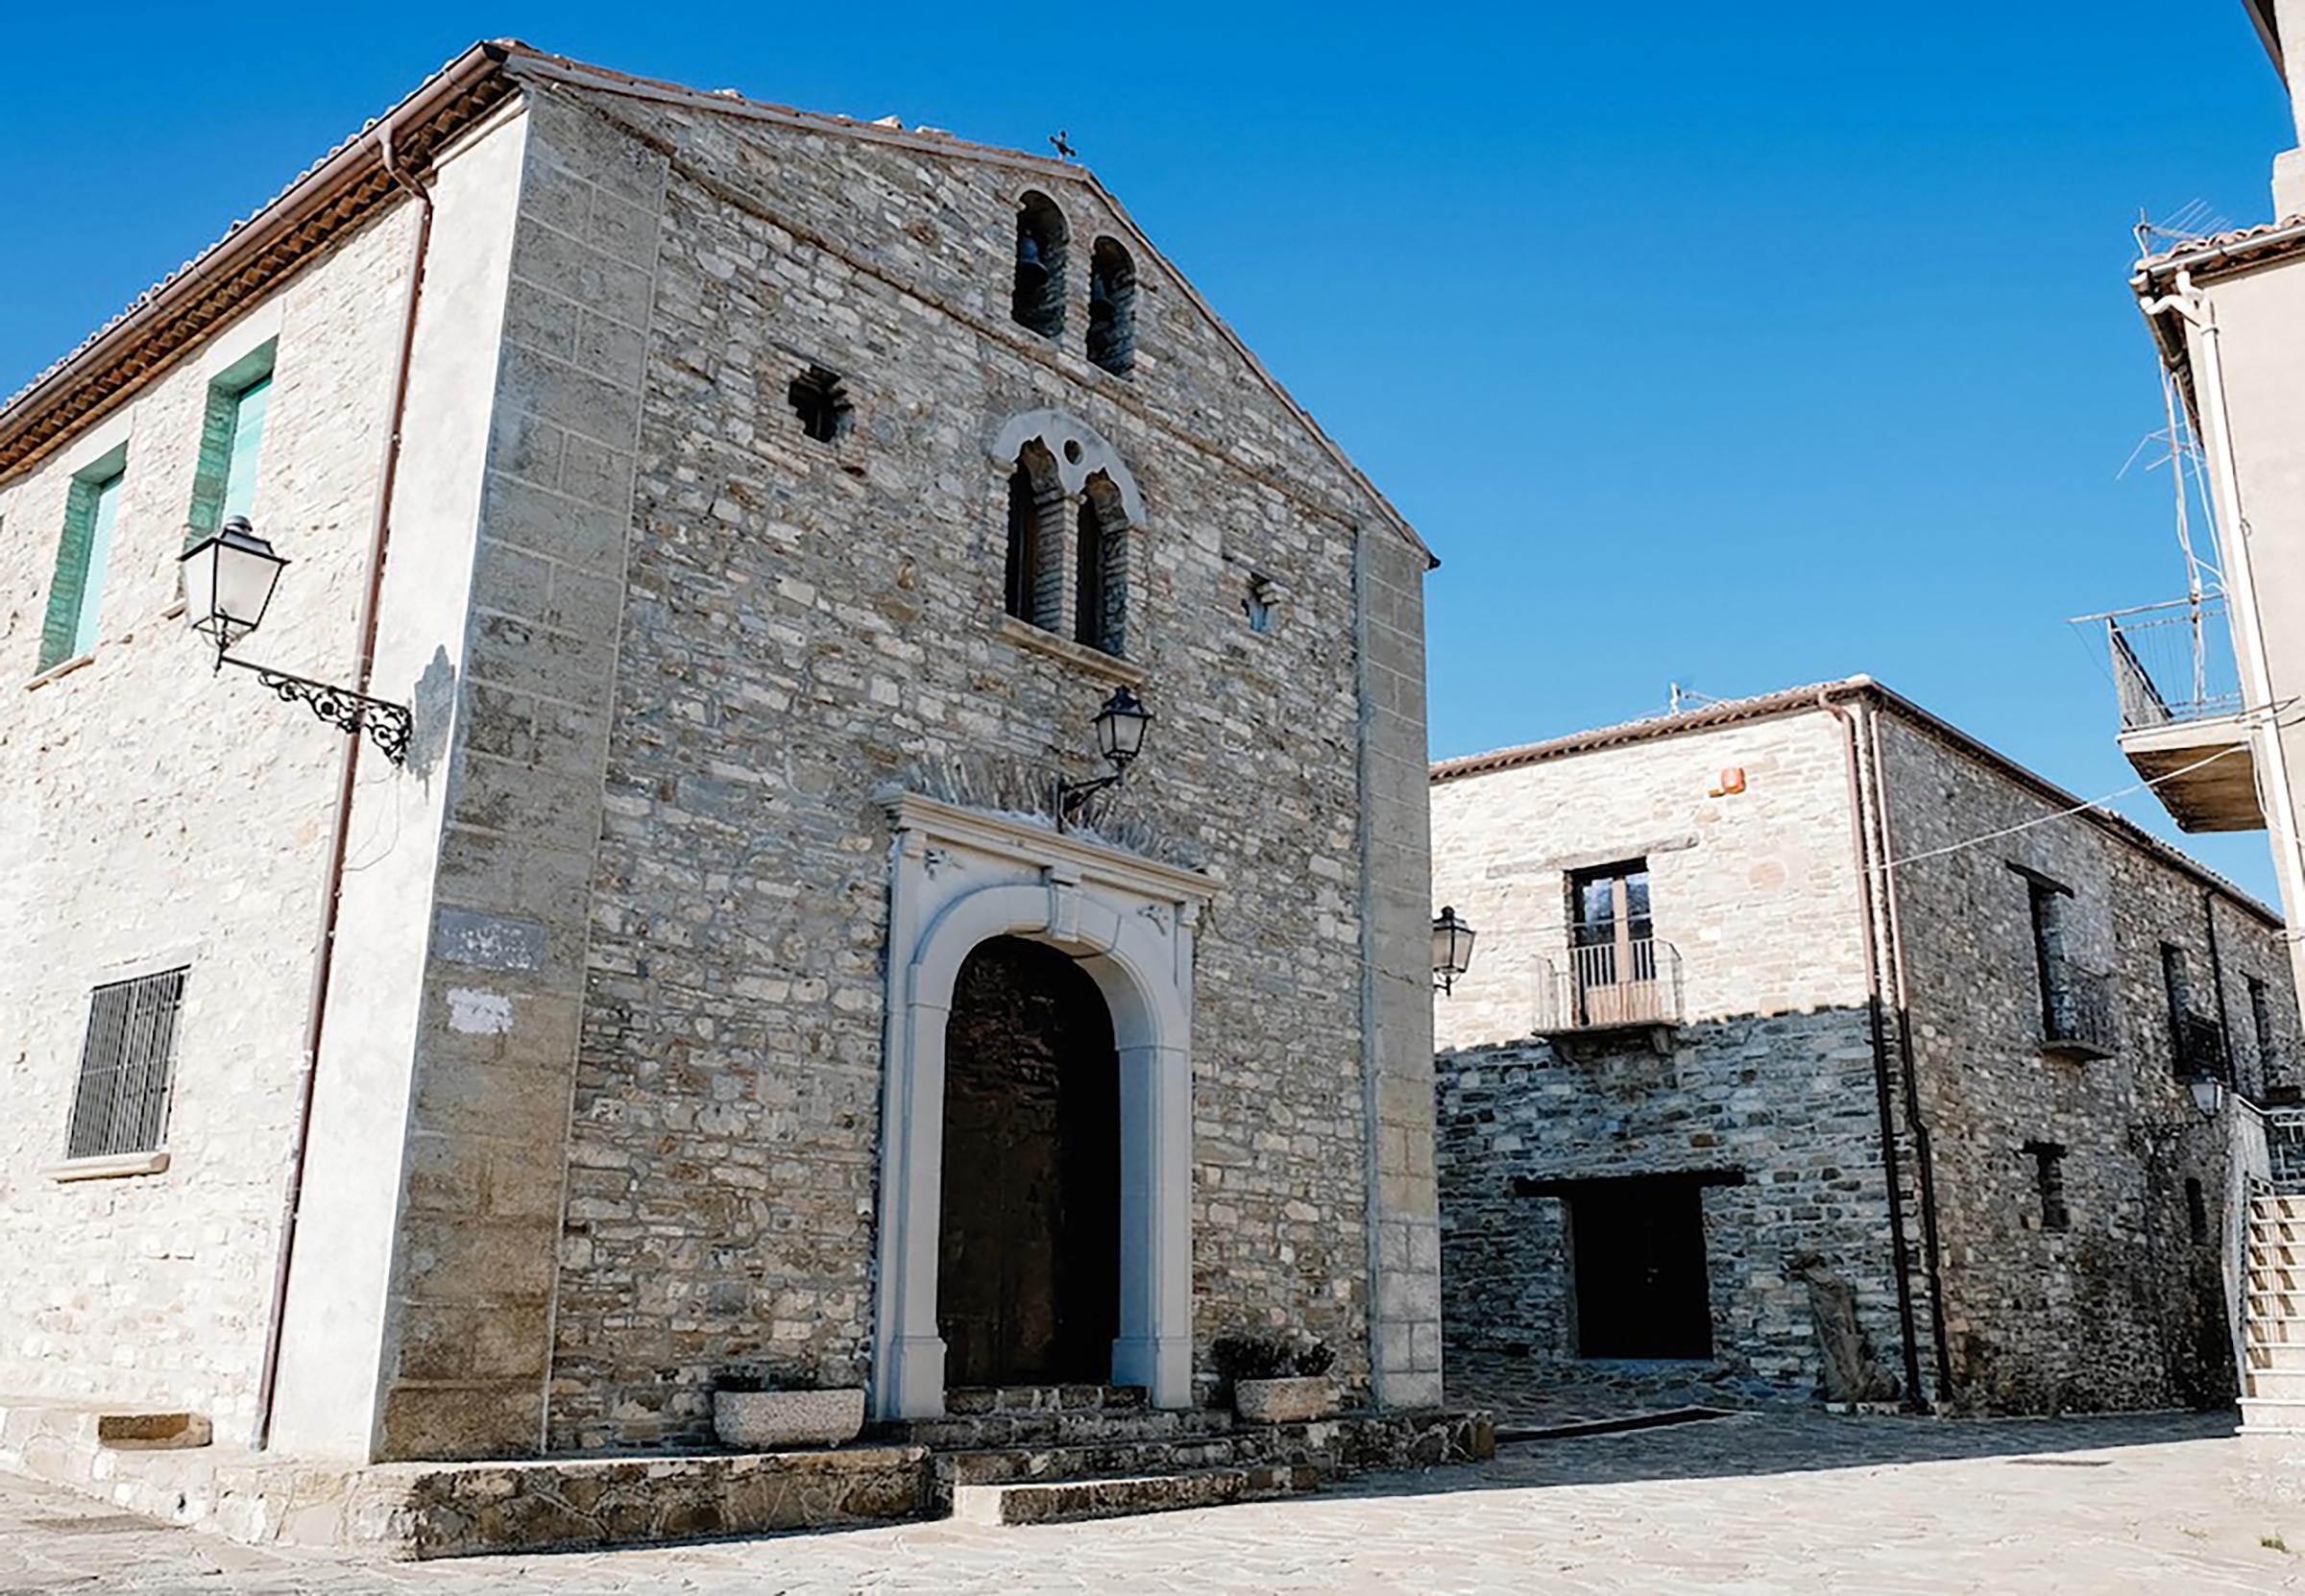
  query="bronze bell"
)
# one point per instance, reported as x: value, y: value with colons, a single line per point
x: 1032, y: 276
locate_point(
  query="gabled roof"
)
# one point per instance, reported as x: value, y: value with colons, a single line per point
x: 1737, y: 711
x: 355, y: 178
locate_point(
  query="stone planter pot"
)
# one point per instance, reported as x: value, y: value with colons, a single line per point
x: 1288, y: 1401
x: 774, y: 1421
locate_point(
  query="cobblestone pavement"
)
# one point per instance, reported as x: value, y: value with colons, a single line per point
x: 1754, y: 1504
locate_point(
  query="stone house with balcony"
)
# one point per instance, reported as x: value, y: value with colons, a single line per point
x: 718, y: 526
x: 1810, y: 1048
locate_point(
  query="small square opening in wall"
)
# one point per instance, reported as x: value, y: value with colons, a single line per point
x: 820, y: 399
x: 1263, y: 604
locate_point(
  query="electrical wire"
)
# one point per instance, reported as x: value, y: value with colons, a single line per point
x: 2093, y: 804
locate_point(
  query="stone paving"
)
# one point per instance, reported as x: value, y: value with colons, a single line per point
x: 1748, y: 1503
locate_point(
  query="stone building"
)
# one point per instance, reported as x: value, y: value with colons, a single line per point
x: 753, y: 509
x: 1811, y: 1049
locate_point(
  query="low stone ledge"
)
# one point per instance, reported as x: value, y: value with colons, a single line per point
x: 1364, y: 1443
x: 566, y: 1504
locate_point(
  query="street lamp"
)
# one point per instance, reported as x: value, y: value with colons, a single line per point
x: 229, y: 578
x: 1120, y: 728
x: 2208, y: 1094
x: 1452, y: 950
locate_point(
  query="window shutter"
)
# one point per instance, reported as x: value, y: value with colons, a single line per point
x: 77, y: 592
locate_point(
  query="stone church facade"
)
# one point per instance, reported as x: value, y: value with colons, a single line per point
x: 754, y: 509
x: 1812, y: 1050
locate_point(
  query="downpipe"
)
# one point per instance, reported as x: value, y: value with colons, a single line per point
x: 1885, y: 1102
x: 1925, y: 1161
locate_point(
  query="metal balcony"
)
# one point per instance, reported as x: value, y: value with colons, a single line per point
x: 2201, y: 1048
x: 2181, y: 720
x: 1612, y: 986
x: 2077, y: 1014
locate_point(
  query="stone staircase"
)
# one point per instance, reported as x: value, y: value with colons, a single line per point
x: 1040, y: 1453
x: 2273, y: 1398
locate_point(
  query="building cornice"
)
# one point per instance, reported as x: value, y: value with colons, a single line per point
x: 351, y: 185
x: 1021, y: 837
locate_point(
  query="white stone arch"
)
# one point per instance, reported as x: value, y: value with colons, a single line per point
x: 1080, y: 449
x: 960, y: 878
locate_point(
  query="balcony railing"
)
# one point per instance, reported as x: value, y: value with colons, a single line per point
x: 2285, y: 1144
x: 2078, y: 1018
x: 1610, y: 985
x: 2171, y: 662
x: 2201, y: 1048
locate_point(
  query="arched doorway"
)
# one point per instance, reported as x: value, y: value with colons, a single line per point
x: 960, y: 878
x: 1027, y: 1279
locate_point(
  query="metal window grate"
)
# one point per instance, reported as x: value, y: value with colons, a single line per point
x: 121, y: 1104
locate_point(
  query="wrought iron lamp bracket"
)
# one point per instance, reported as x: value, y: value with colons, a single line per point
x: 388, y: 725
x: 1072, y: 797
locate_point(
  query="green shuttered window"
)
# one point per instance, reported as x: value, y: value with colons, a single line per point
x: 231, y: 437
x: 76, y: 597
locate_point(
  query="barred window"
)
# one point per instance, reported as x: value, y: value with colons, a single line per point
x: 121, y: 1104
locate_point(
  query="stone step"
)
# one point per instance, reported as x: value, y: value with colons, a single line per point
x: 1054, y: 1427
x: 1050, y: 1502
x: 972, y: 1400
x: 2277, y: 1385
x: 2272, y: 1416
x: 1112, y: 1459
x: 2275, y: 1354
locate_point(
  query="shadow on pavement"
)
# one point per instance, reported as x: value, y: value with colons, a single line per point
x: 1762, y: 1443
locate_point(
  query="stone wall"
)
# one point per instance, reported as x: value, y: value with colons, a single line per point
x: 807, y: 620
x: 1756, y: 891
x: 1773, y: 1073
x: 162, y: 814
x: 2116, y: 1311
x: 1772, y: 1077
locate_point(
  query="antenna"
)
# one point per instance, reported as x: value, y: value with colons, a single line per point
x: 2193, y: 220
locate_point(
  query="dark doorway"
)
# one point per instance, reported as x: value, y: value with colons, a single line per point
x: 1640, y: 1246
x: 1027, y: 1269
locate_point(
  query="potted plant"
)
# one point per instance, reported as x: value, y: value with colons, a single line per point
x: 1277, y: 1379
x: 753, y: 1413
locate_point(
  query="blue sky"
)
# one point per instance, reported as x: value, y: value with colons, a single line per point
x: 1743, y: 346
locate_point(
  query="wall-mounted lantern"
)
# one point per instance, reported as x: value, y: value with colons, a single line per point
x: 228, y: 577
x: 2208, y: 1094
x: 1120, y: 728
x: 1452, y: 950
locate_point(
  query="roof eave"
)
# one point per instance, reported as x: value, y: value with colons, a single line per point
x: 103, y: 371
x: 1798, y: 700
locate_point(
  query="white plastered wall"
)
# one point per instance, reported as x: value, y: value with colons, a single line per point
x: 334, y: 1333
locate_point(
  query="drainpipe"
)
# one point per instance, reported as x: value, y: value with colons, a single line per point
x: 1883, y: 1101
x: 1925, y: 1160
x: 2193, y: 308
x: 323, y: 953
